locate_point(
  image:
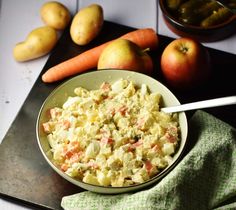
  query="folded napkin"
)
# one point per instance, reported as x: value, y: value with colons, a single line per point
x: 205, y: 178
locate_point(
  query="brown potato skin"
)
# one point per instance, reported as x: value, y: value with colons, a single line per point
x: 55, y: 14
x: 86, y: 24
x: 39, y: 42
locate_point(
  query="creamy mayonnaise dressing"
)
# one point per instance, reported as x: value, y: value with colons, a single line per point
x: 114, y: 136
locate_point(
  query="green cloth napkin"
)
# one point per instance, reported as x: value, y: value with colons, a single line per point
x: 205, y: 178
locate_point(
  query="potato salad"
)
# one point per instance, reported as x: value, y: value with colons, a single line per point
x: 113, y: 136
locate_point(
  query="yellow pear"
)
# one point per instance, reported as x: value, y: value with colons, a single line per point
x: 124, y: 54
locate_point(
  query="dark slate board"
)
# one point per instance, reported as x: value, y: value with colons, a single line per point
x: 25, y: 176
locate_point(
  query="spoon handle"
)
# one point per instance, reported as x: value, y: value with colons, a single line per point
x: 230, y: 100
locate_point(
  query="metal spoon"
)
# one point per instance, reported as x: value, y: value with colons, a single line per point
x: 224, y: 4
x: 230, y: 100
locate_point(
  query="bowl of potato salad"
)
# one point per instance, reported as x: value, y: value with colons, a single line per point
x: 103, y: 131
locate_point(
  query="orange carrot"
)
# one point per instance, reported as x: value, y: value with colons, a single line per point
x: 144, y: 38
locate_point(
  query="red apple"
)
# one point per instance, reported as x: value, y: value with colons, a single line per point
x: 185, y: 63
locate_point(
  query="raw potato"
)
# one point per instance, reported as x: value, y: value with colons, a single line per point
x: 55, y: 14
x: 39, y: 42
x: 86, y: 24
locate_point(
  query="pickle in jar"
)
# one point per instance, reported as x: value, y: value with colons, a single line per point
x: 217, y: 17
x: 207, y: 9
x: 187, y: 8
x: 174, y: 4
x: 188, y: 12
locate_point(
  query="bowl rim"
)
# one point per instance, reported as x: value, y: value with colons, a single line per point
x: 171, y: 18
x: 115, y: 189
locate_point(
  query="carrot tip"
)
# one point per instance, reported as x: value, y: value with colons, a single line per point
x: 45, y: 78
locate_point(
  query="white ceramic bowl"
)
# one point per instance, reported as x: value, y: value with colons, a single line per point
x: 93, y: 80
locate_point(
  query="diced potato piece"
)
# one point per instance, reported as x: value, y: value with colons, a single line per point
x: 119, y: 85
x: 103, y: 179
x: 144, y: 89
x: 82, y: 92
x: 129, y: 90
x: 168, y: 148
x: 90, y: 179
x: 72, y: 102
x: 92, y: 149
